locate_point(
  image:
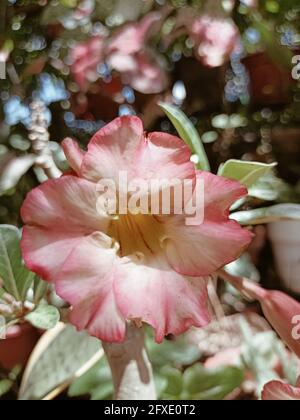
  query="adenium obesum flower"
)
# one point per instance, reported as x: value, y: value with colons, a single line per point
x: 85, y: 57
x: 128, y: 53
x: 215, y: 38
x: 282, y: 311
x: 142, y: 267
x: 277, y: 390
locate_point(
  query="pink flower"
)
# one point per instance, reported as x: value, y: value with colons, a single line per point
x: 84, y: 9
x: 277, y: 390
x: 215, y: 39
x: 147, y: 268
x: 128, y: 54
x: 85, y: 57
x: 282, y: 311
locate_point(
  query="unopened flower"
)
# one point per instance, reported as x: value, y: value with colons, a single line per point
x: 215, y: 37
x: 85, y: 57
x: 277, y: 390
x: 282, y: 311
x: 128, y: 53
x: 144, y: 267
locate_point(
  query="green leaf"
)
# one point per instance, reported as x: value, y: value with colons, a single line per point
x: 161, y: 383
x: 17, y: 279
x: 267, y: 214
x: 188, y: 133
x: 39, y: 290
x: 177, y: 352
x: 5, y: 386
x: 97, y: 382
x: 243, y: 267
x: 61, y: 355
x: 68, y: 3
x: 175, y: 383
x: 44, y: 317
x: 269, y: 188
x: 247, y: 173
x: 211, y: 384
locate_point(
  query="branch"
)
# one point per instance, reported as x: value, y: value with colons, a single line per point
x: 131, y: 369
x: 39, y: 137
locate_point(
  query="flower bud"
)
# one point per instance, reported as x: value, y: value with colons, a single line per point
x: 282, y: 311
x: 277, y: 390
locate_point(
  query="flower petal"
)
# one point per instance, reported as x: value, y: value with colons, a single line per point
x: 58, y: 214
x: 67, y: 204
x: 86, y: 282
x: 166, y: 157
x: 122, y: 146
x: 277, y: 390
x: 202, y: 249
x: 44, y: 251
x: 114, y: 148
x: 153, y: 293
x: 146, y: 75
x: 73, y: 154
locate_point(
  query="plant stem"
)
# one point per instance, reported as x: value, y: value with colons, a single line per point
x: 131, y: 369
x: 39, y: 137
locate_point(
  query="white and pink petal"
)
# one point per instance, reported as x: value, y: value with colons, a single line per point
x: 200, y: 250
x: 86, y: 281
x: 66, y: 204
x: 277, y: 390
x: 151, y: 292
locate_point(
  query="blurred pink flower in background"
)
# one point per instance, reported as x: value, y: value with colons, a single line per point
x: 215, y: 39
x: 84, y: 9
x: 250, y: 3
x: 277, y: 390
x: 128, y: 53
x: 148, y: 268
x: 281, y: 310
x: 85, y: 57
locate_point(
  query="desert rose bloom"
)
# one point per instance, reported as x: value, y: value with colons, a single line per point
x: 146, y: 268
x: 282, y: 311
x: 277, y: 390
x: 128, y: 54
x: 85, y: 57
x: 215, y: 38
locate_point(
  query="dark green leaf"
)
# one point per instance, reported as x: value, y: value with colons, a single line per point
x: 188, y: 133
x: 5, y: 386
x: 17, y: 279
x: 211, y: 384
x: 97, y: 382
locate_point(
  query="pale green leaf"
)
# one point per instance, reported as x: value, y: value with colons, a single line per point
x: 61, y: 355
x: 44, y: 317
x: 267, y: 214
x: 247, y: 173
